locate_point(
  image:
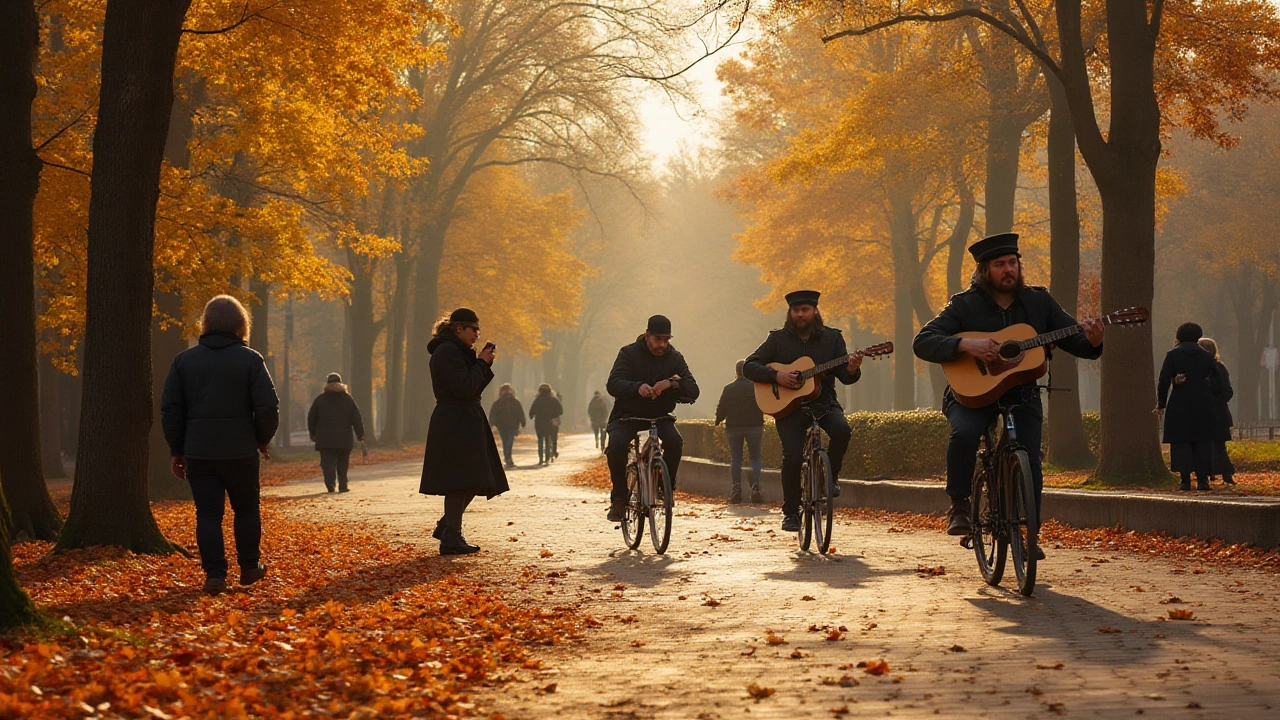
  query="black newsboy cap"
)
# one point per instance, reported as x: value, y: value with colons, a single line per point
x: 995, y: 246
x: 659, y: 325
x: 803, y: 297
x: 464, y: 315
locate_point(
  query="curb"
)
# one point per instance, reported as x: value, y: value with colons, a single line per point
x: 1256, y: 522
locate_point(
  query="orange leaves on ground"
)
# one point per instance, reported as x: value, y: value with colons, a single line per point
x: 874, y: 667
x: 344, y: 625
x: 774, y: 639
x: 275, y: 472
x: 759, y: 692
x: 926, y: 571
x: 1181, y: 614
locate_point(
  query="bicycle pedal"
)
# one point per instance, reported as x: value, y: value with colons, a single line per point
x: 967, y: 542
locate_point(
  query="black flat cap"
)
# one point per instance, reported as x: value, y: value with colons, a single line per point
x: 803, y: 297
x: 995, y: 246
x: 659, y: 325
x: 464, y: 315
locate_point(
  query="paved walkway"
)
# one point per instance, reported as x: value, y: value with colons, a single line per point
x: 733, y: 603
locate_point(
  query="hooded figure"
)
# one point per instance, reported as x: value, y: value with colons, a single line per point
x: 331, y: 420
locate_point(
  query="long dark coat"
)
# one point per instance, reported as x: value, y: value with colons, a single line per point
x: 1222, y: 411
x: 544, y: 409
x: 461, y: 455
x: 1190, y: 407
x: 507, y: 414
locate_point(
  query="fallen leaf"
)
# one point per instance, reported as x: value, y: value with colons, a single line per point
x: 1055, y: 666
x: 808, y: 598
x: 759, y: 692
x: 1180, y: 614
x: 957, y: 649
x: 546, y: 554
x: 774, y: 639
x: 834, y: 635
x: 874, y: 667
x: 796, y: 655
x: 842, y: 710
x: 1174, y: 600
x: 711, y: 602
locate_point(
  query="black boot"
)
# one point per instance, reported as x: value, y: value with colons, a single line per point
x: 959, y: 523
x: 735, y: 495
x: 439, y: 532
x: 454, y: 544
x: 1186, y: 483
x: 756, y: 497
x: 1202, y: 484
x: 1228, y: 480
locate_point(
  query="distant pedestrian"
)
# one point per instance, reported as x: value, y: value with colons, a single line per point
x: 219, y: 411
x: 598, y: 414
x: 461, y: 459
x: 1219, y: 461
x: 507, y: 414
x: 743, y: 422
x: 546, y: 411
x: 1188, y: 381
x: 331, y: 420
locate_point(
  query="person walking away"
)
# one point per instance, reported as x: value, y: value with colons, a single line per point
x: 598, y: 414
x: 219, y: 411
x: 1219, y: 461
x: 332, y: 419
x: 461, y: 459
x: 1185, y: 398
x: 507, y: 414
x: 743, y: 423
x: 545, y: 411
x: 648, y: 379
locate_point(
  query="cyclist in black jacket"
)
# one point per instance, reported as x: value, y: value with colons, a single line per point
x: 649, y: 378
x: 743, y: 422
x: 805, y: 334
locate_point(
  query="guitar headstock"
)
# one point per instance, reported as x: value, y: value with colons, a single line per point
x: 884, y: 348
x: 1128, y: 316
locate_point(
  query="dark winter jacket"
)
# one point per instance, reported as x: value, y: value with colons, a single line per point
x: 598, y: 411
x: 737, y: 406
x: 332, y: 417
x: 461, y: 455
x: 507, y: 414
x: 219, y: 402
x: 636, y: 366
x: 1189, y: 406
x: 785, y: 347
x: 1222, y: 411
x: 974, y: 311
x: 545, y: 411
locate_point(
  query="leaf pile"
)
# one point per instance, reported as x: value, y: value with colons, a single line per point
x: 344, y: 625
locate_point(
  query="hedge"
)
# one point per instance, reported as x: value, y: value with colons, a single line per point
x: 884, y: 444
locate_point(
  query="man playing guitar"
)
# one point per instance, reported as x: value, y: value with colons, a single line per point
x: 805, y: 334
x: 997, y: 298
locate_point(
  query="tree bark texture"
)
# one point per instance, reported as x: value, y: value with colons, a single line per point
x: 364, y: 335
x: 51, y: 420
x: 418, y: 398
x: 21, y: 472
x: 397, y: 322
x: 165, y: 344
x: 109, y: 501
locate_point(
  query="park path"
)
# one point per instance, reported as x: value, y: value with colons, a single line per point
x: 683, y: 635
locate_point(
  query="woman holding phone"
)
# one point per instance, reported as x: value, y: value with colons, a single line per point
x: 461, y: 459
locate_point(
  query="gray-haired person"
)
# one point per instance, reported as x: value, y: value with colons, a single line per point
x: 219, y: 410
x: 332, y: 419
x: 743, y: 422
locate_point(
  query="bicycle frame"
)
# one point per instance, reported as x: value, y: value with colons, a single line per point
x: 642, y: 455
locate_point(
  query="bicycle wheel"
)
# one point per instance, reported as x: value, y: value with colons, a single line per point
x: 822, y: 501
x: 990, y: 542
x: 805, y: 535
x: 660, y: 510
x: 1024, y: 524
x: 633, y: 514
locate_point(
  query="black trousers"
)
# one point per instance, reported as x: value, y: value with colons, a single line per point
x: 967, y: 426
x: 792, y: 430
x: 621, y: 433
x: 334, y: 463
x: 213, y: 482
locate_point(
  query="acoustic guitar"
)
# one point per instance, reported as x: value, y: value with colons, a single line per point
x: 779, y: 401
x: 977, y: 383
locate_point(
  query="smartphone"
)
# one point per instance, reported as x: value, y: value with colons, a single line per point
x: 490, y: 346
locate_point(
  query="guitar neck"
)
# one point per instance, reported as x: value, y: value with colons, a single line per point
x: 824, y: 367
x: 1056, y: 335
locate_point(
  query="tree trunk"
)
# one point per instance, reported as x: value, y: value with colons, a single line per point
x: 260, y: 311
x: 905, y: 259
x: 397, y: 319
x: 1004, y: 133
x: 1253, y: 320
x: 50, y: 420
x: 165, y: 344
x: 418, y: 397
x: 109, y: 500
x: 1068, y: 445
x: 21, y: 472
x: 16, y: 608
x: 959, y: 239
x: 364, y: 335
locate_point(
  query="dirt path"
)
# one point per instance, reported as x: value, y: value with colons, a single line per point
x: 682, y: 636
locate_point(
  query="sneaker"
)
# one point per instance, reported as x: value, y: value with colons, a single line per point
x: 735, y: 496
x: 616, y: 513
x: 791, y: 523
x: 958, y: 522
x: 253, y: 574
x: 756, y: 497
x: 215, y: 585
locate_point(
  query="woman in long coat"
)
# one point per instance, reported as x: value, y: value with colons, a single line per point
x: 1189, y: 425
x: 545, y: 412
x: 461, y: 460
x: 1219, y: 461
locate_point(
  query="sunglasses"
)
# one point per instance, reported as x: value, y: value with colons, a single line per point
x: 471, y: 327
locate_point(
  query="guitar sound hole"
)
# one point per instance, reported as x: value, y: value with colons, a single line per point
x: 1010, y: 351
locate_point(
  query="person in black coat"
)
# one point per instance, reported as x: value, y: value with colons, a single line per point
x: 1219, y: 461
x: 598, y: 414
x: 461, y: 459
x: 1185, y: 397
x: 507, y: 414
x: 545, y: 411
x: 648, y: 379
x: 743, y: 423
x: 219, y: 411
x: 804, y: 334
x: 332, y: 418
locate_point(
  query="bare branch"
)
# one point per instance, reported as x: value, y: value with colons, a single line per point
x: 63, y: 129
x: 68, y: 168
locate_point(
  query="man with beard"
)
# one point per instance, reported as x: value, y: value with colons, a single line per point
x: 997, y: 298
x: 804, y: 333
x: 648, y: 379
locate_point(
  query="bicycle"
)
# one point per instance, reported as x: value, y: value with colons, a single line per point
x: 1003, y: 506
x: 649, y: 493
x: 816, y: 489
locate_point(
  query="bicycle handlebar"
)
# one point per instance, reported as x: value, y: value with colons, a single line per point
x: 649, y: 420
